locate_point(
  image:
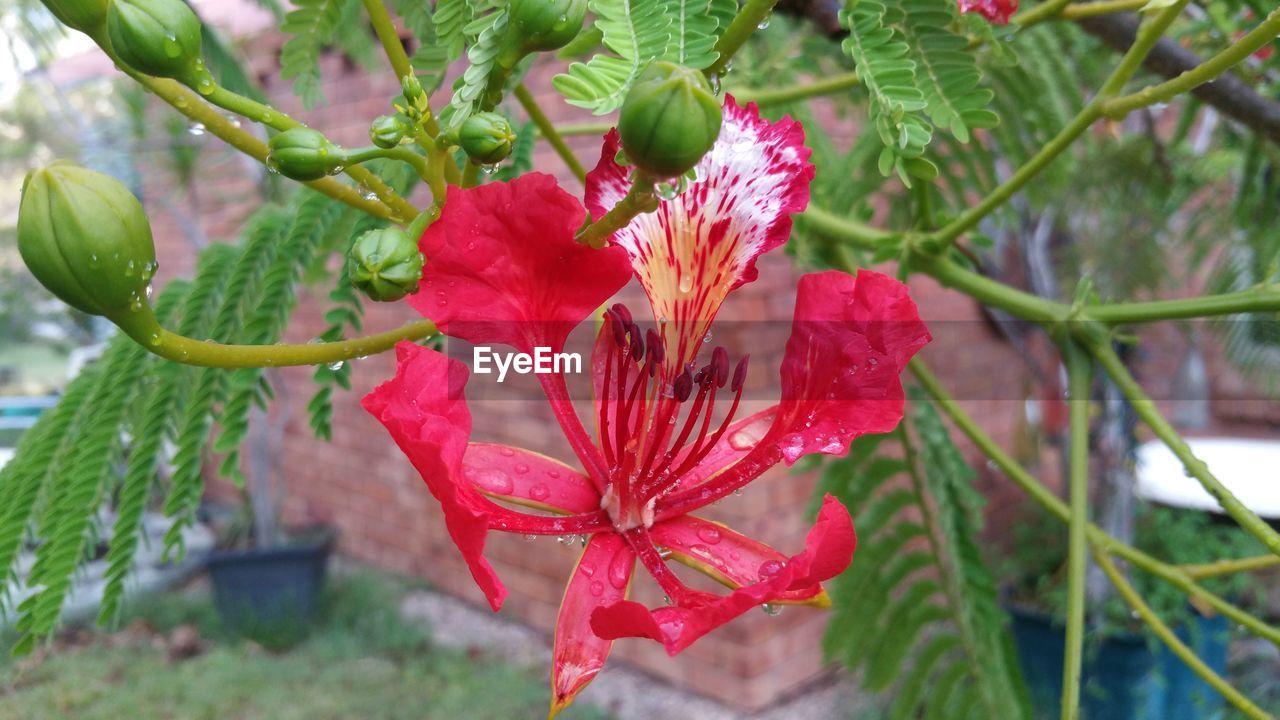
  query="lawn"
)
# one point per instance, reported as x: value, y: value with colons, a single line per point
x: 361, y: 660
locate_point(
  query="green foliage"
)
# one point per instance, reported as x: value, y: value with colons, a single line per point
x: 471, y: 91
x: 918, y: 610
x: 919, y: 75
x: 637, y: 31
x: 312, y: 23
x: 75, y: 459
x: 361, y: 658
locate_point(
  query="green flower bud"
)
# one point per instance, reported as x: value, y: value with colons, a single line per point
x: 87, y: 239
x: 158, y: 37
x: 385, y: 264
x: 486, y: 138
x: 541, y: 25
x: 82, y: 15
x: 387, y: 131
x: 669, y: 120
x: 304, y: 154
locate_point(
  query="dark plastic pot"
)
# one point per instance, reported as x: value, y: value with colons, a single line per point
x: 1123, y: 678
x: 270, y: 594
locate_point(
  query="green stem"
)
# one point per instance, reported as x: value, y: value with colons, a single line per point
x: 1039, y: 13
x: 1150, y: 414
x: 1148, y: 34
x: 746, y: 22
x: 990, y: 292
x: 1170, y: 639
x: 639, y: 199
x: 385, y: 29
x: 548, y: 131
x: 209, y: 354
x: 776, y: 96
x: 1259, y: 299
x: 853, y: 232
x: 256, y: 111
x: 1227, y: 567
x: 584, y: 128
x: 420, y: 164
x: 195, y: 108
x: 1050, y: 501
x: 1206, y: 71
x: 1077, y: 11
x: 1079, y: 369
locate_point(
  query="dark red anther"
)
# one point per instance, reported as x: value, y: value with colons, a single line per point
x: 682, y: 388
x: 624, y: 315
x: 719, y: 366
x: 653, y: 344
x: 618, y: 326
x: 700, y: 377
x: 637, y: 344
x: 740, y: 374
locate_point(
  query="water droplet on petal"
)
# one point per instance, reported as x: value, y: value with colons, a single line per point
x: 771, y: 610
x: 539, y: 492
x: 620, y: 569
x: 522, y: 469
x: 709, y: 534
x: 506, y: 452
x: 686, y: 284
x: 493, y: 480
x: 769, y: 568
x: 597, y: 588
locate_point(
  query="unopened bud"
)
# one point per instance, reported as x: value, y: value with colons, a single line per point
x: 669, y: 120
x: 385, y: 264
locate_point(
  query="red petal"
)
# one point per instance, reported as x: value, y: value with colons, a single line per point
x: 828, y: 550
x: 600, y: 578
x: 502, y: 265
x: 850, y: 340
x: 724, y: 555
x: 528, y: 478
x: 996, y: 12
x: 700, y: 245
x: 424, y: 409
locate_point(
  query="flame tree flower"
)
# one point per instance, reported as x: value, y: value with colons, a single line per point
x: 503, y: 267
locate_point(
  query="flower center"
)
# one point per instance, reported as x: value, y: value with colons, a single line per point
x: 646, y: 444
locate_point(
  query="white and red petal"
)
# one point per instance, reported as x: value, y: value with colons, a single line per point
x: 528, y: 478
x: 828, y: 550
x: 727, y: 556
x: 600, y: 578
x: 424, y: 409
x: 700, y: 245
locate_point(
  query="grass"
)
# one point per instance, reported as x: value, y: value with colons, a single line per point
x: 361, y: 660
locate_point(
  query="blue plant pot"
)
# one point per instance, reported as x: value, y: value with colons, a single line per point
x: 269, y: 594
x: 1123, y: 678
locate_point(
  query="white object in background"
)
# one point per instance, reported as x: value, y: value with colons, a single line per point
x: 6, y: 454
x: 1248, y: 468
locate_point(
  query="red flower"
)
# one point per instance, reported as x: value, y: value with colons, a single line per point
x: 995, y: 11
x: 503, y: 267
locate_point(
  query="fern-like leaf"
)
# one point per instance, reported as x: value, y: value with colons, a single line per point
x: 917, y: 610
x: 882, y: 57
x: 693, y: 33
x: 312, y: 24
x: 638, y: 31
x: 946, y: 71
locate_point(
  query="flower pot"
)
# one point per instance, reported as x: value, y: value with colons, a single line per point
x: 1124, y: 677
x: 270, y: 594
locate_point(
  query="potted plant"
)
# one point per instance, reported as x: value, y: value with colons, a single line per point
x: 1127, y: 674
x: 267, y: 579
